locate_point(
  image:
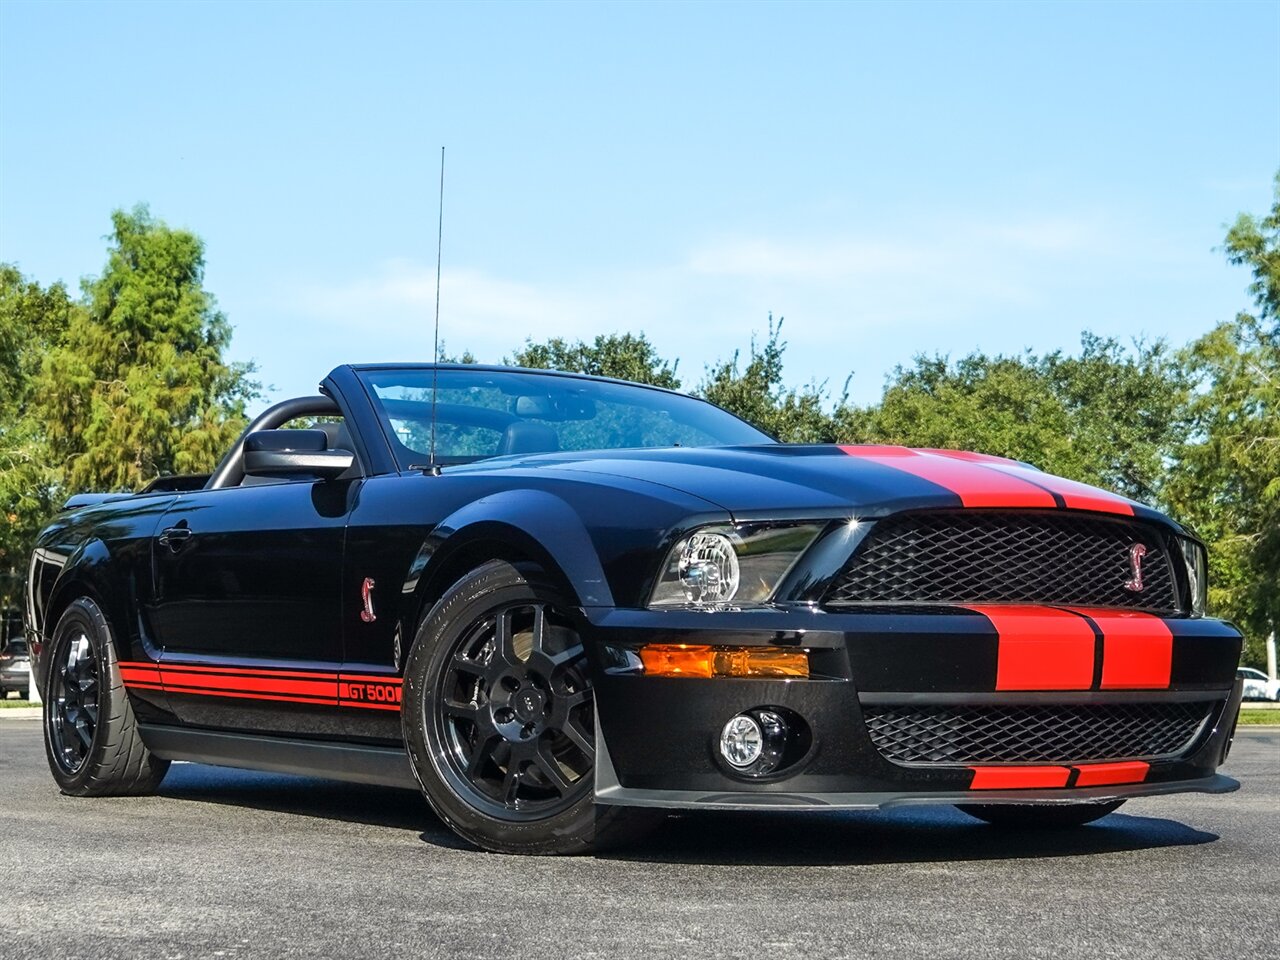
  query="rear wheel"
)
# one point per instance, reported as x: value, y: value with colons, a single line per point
x: 499, y: 718
x: 1040, y: 815
x: 91, y: 737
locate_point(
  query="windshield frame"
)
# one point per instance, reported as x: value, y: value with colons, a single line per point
x: 407, y: 458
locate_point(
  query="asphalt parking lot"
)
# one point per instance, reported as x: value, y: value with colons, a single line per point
x: 232, y: 864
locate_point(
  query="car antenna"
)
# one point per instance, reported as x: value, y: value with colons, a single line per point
x: 432, y: 467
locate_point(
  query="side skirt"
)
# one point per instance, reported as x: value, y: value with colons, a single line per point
x: 356, y: 763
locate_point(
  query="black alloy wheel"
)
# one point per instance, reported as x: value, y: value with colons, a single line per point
x: 73, y: 689
x: 499, y: 718
x: 513, y: 712
x: 91, y: 738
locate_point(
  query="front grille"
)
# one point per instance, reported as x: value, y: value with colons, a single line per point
x: 996, y: 557
x: 1034, y: 733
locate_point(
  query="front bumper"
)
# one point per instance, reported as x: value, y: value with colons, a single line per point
x: 657, y: 737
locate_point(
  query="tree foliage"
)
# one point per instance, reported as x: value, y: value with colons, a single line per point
x: 108, y: 392
x: 1226, y: 478
x: 1108, y: 416
x: 756, y: 393
x: 138, y: 388
x: 625, y: 356
x: 32, y: 318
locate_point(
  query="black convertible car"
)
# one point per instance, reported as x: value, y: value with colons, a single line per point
x: 560, y: 604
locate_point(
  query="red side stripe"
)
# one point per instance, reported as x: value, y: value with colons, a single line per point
x: 249, y: 671
x: 325, y: 702
x: 976, y: 484
x: 1137, y: 650
x: 1041, y: 648
x: 1018, y: 778
x: 309, y: 688
x: 1102, y: 774
x: 285, y: 686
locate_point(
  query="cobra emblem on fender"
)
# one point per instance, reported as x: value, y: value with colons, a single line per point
x: 366, y: 598
x: 1136, y: 553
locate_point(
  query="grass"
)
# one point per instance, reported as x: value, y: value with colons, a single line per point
x: 6, y: 702
x: 1269, y: 716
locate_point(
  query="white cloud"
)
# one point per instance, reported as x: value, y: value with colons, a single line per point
x: 851, y: 302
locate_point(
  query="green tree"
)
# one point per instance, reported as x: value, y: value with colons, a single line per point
x: 138, y: 387
x: 1226, y: 479
x: 1108, y: 416
x: 626, y: 356
x: 32, y: 319
x: 757, y: 394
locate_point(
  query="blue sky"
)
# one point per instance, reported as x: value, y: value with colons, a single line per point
x: 890, y: 178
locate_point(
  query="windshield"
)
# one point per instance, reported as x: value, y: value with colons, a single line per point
x: 490, y: 413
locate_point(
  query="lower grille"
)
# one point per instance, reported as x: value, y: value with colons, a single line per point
x: 1034, y: 733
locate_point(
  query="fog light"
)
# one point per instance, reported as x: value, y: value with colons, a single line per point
x: 741, y: 741
x: 754, y: 743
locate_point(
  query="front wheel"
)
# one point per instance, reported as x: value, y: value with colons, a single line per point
x: 499, y: 718
x: 1053, y: 816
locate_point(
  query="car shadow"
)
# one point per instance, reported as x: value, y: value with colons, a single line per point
x: 309, y: 797
x: 905, y: 835
x: 917, y: 835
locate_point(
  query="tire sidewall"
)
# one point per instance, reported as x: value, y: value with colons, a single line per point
x: 85, y: 614
x: 493, y: 585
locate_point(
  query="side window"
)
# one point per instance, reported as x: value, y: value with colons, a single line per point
x: 335, y: 429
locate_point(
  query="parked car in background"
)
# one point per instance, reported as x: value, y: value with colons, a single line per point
x: 15, y: 663
x: 1257, y: 685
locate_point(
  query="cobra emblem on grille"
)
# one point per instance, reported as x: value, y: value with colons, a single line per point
x: 1136, y: 553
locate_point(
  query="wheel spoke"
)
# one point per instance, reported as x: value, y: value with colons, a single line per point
x: 546, y: 762
x: 579, y: 738
x: 504, y: 639
x: 473, y: 668
x: 539, y: 628
x: 510, y: 783
x: 576, y: 699
x: 482, y: 752
x: 462, y: 711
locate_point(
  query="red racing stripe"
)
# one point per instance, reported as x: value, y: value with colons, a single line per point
x: 1041, y: 648
x: 976, y: 484
x: 1018, y: 778
x: 1102, y: 774
x: 1075, y: 496
x: 1137, y: 649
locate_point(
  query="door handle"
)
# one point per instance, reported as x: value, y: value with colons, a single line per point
x: 175, y: 537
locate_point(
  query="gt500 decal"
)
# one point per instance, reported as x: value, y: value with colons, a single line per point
x: 282, y: 686
x: 381, y: 694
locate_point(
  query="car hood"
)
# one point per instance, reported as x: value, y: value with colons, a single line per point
x: 831, y: 480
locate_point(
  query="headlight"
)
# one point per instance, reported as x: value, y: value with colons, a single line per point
x: 1197, y: 562
x: 723, y: 564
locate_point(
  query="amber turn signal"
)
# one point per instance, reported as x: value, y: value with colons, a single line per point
x: 690, y: 660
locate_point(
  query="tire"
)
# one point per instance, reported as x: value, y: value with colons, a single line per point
x: 1051, y: 816
x: 498, y: 719
x: 90, y: 735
